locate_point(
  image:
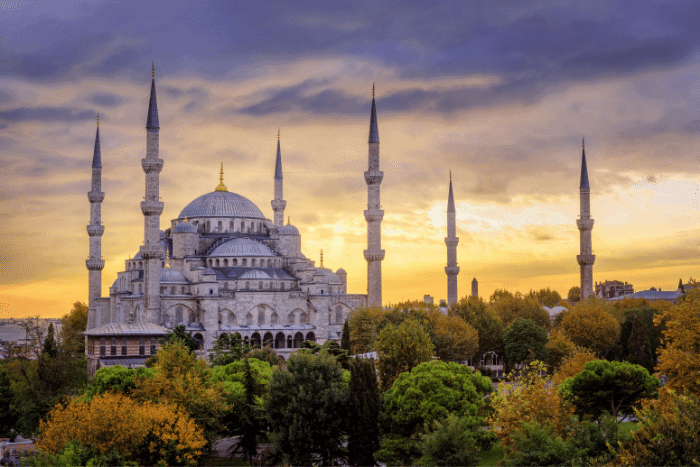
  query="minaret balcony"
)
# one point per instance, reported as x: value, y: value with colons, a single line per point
x: 374, y: 255
x: 152, y: 165
x: 451, y: 241
x: 95, y: 264
x: 585, y: 260
x: 278, y: 204
x: 452, y: 270
x: 151, y: 252
x: 151, y: 207
x: 96, y: 196
x: 584, y: 224
x: 374, y: 215
x: 374, y: 177
x: 95, y: 230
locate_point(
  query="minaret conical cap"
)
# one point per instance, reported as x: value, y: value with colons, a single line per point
x: 373, y: 130
x: 96, y: 155
x: 152, y: 122
x: 451, y: 199
x: 278, y: 162
x: 584, y: 169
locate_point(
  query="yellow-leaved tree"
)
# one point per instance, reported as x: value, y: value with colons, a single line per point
x: 573, y: 365
x: 145, y: 432
x: 455, y: 340
x: 591, y: 324
x: 679, y: 357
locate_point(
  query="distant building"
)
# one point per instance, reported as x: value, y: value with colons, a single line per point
x: 612, y: 289
x: 652, y: 295
x: 428, y: 299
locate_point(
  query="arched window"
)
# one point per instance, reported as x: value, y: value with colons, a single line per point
x: 269, y: 263
x: 172, y: 290
x: 289, y: 342
x: 291, y: 319
x: 200, y: 341
x: 225, y: 262
x: 242, y: 226
x: 279, y: 341
x: 298, y: 339
x: 252, y: 262
x: 140, y: 288
x: 260, y: 285
x: 261, y: 315
x: 178, y: 315
x: 245, y: 262
x: 273, y: 318
x: 230, y: 226
x: 311, y: 337
x: 249, y: 319
x: 339, y: 315
x: 268, y: 340
x: 220, y: 227
x: 231, y: 318
x: 255, y: 340
x: 217, y: 263
x: 282, y: 285
x: 208, y: 227
x: 235, y: 262
x: 247, y: 285
x: 303, y: 318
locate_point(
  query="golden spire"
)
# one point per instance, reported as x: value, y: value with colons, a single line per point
x: 278, y: 133
x: 321, y: 258
x: 186, y: 219
x: 289, y: 220
x: 583, y: 142
x: 372, y: 90
x: 450, y: 174
x: 167, y: 258
x: 153, y: 70
x: 98, y: 121
x: 221, y: 186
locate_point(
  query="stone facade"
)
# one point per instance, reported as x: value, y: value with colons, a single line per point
x: 223, y: 268
x: 585, y: 225
x: 611, y: 289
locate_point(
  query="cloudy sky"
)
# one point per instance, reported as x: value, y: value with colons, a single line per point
x: 500, y: 92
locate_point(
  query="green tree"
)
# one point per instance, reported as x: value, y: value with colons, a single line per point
x: 454, y: 339
x: 345, y: 338
x: 574, y: 294
x: 509, y: 307
x: 613, y: 387
x: 179, y: 334
x: 72, y: 325
x: 363, y: 413
x: 50, y: 348
x: 251, y: 424
x: 400, y: 348
x: 452, y: 443
x: 421, y: 398
x: 363, y: 323
x: 307, y: 407
x: 8, y: 419
x: 546, y: 297
x: 476, y: 312
x: 266, y: 354
x: 524, y: 340
x: 116, y: 379
x: 591, y: 324
x: 228, y: 349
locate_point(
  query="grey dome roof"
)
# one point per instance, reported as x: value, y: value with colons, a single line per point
x: 242, y: 247
x: 171, y: 275
x: 341, y: 271
x: 331, y: 278
x: 288, y: 229
x: 185, y: 227
x: 221, y: 204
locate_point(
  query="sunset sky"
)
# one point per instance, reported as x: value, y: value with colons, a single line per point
x: 500, y: 92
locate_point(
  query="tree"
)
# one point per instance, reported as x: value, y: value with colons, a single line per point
x: 179, y: 334
x: 572, y: 365
x: 421, y: 398
x: 509, y: 307
x: 590, y: 324
x: 251, y: 424
x: 668, y: 432
x: 116, y: 379
x: 145, y: 432
x: 614, y: 387
x: 475, y: 312
x: 363, y: 413
x: 50, y: 348
x: 72, y: 325
x: 266, y: 354
x: 363, y: 323
x: 523, y: 340
x: 679, y: 357
x: 306, y: 407
x: 574, y: 294
x: 559, y: 347
x: 452, y: 443
x: 345, y: 338
x: 400, y: 348
x: 546, y: 297
x: 228, y: 349
x: 8, y: 419
x: 455, y: 340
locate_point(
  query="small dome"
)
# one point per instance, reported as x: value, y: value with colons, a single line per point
x: 554, y: 311
x: 221, y: 204
x: 242, y: 247
x: 185, y: 227
x: 341, y: 271
x: 330, y: 277
x: 288, y: 229
x: 171, y: 275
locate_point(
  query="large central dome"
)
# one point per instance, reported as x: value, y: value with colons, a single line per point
x: 221, y: 204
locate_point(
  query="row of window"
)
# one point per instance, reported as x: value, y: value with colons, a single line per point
x: 260, y: 262
x: 252, y: 228
x: 280, y: 341
x: 121, y: 345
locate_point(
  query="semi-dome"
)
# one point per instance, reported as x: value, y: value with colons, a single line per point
x: 171, y: 275
x: 221, y: 204
x: 288, y: 229
x: 185, y: 227
x: 331, y: 278
x: 242, y: 247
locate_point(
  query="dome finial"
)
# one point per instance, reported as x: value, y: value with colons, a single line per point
x: 583, y: 142
x: 98, y: 121
x: 221, y: 186
x: 321, y: 258
x: 450, y: 174
x: 278, y: 133
x: 372, y: 90
x: 167, y: 258
x: 289, y: 221
x: 153, y: 70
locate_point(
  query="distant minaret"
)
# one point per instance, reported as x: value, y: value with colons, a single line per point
x: 374, y: 215
x: 152, y: 207
x: 585, y: 225
x: 452, y: 270
x: 95, y: 263
x: 278, y: 204
x: 475, y: 288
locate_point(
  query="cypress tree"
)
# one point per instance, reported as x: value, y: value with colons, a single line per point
x: 345, y: 339
x: 363, y: 413
x: 50, y: 348
x: 250, y: 427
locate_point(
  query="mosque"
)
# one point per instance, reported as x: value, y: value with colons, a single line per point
x: 220, y: 268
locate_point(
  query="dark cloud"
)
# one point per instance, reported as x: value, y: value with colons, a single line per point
x: 46, y: 114
x: 105, y: 99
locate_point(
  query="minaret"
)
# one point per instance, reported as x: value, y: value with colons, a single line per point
x: 95, y: 263
x: 452, y: 270
x: 585, y: 225
x: 152, y: 207
x: 475, y: 288
x: 374, y: 215
x: 278, y: 204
